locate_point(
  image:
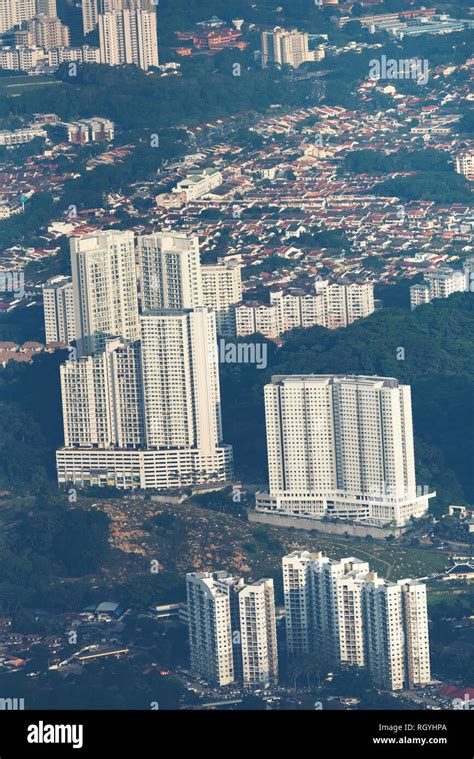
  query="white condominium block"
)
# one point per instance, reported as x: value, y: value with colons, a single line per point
x: 58, y: 305
x: 297, y: 311
x: 222, y: 291
x: 332, y: 306
x: 232, y: 629
x: 257, y: 319
x: 342, y: 613
x: 14, y: 12
x: 396, y: 618
x: 350, y: 622
x: 170, y: 270
x: 46, y: 8
x: 384, y: 632
x: 287, y: 47
x: 105, y: 289
x: 102, y: 398
x: 258, y: 633
x: 128, y: 35
x: 444, y: 281
x: 332, y: 623
x: 84, y: 54
x: 439, y: 283
x: 48, y: 32
x: 20, y: 136
x: 298, y: 587
x: 181, y: 379
x: 419, y: 294
x: 342, y: 446
x: 90, y: 15
x: 211, y: 625
x: 415, y: 617
x: 312, y: 603
x: 465, y: 164
x: 344, y: 304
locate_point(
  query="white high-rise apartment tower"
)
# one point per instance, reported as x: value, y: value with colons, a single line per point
x: 58, y: 304
x: 128, y: 35
x: 105, y: 289
x: 298, y: 586
x: 90, y: 15
x: 173, y: 277
x: 211, y: 625
x: 147, y: 414
x: 222, y: 291
x: 258, y: 633
x: 341, y: 446
x: 342, y: 613
x: 103, y: 399
x: 170, y: 270
x: 48, y: 32
x: 444, y: 281
x: 415, y: 621
x: 312, y: 602
x: 232, y: 629
x: 14, y: 12
x: 290, y: 47
x: 181, y: 380
x: 396, y: 632
x: 141, y: 403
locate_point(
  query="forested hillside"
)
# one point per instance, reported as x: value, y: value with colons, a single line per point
x: 435, y: 349
x: 431, y: 348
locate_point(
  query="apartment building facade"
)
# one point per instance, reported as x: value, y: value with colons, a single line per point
x: 331, y: 306
x: 170, y: 270
x: 282, y: 47
x: 222, y: 291
x: 58, y: 303
x: 141, y: 402
x: 105, y: 289
x: 465, y: 164
x: 128, y: 34
x: 439, y: 283
x: 232, y: 629
x: 341, y: 446
x: 344, y: 614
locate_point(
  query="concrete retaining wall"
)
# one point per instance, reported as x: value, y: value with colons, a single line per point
x: 317, y: 525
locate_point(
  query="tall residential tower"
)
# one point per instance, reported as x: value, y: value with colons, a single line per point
x: 341, y: 446
x: 105, y: 289
x: 141, y: 401
x: 343, y: 614
x: 232, y: 629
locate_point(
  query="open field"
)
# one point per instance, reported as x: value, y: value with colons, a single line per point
x: 11, y: 83
x: 191, y: 536
x: 187, y: 537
